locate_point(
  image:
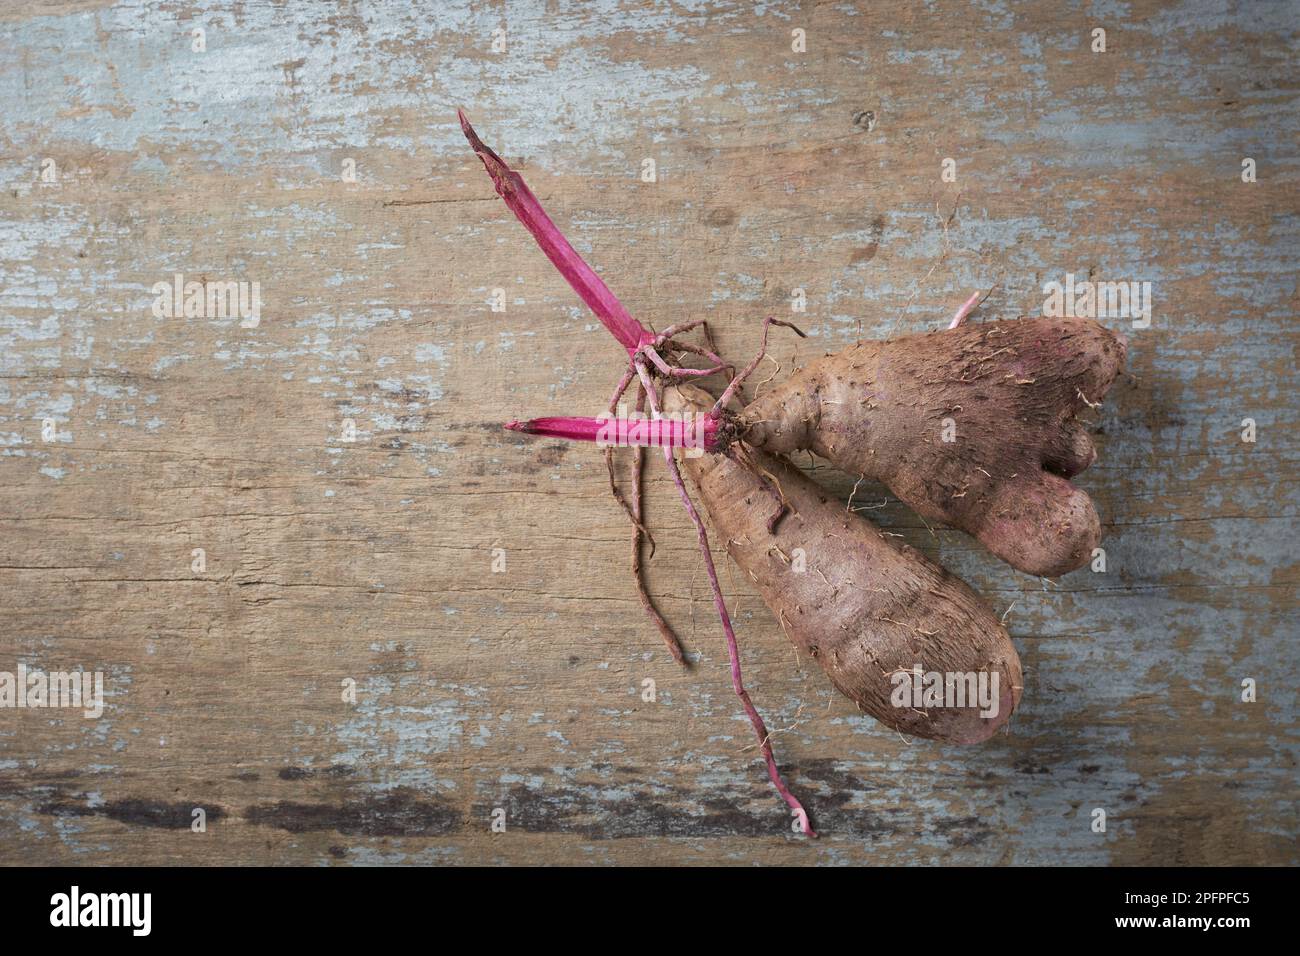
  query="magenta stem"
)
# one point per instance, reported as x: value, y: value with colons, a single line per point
x: 697, y: 432
x: 591, y: 289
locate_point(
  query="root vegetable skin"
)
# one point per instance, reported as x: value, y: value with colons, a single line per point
x: 1006, y: 393
x: 865, y: 607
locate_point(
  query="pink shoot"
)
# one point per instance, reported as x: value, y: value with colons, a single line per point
x: 589, y: 286
x: 697, y: 432
x: 967, y: 308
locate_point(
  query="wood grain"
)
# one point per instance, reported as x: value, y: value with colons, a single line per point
x: 371, y: 560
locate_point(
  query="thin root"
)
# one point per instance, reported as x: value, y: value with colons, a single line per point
x: 749, y: 369
x: 671, y: 640
x: 733, y: 651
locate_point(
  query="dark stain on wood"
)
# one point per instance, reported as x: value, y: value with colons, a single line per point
x: 403, y: 813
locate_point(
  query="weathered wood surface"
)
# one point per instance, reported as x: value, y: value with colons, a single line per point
x: 371, y: 560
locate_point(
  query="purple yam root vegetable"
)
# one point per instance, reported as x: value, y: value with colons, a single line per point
x: 1009, y: 391
x: 975, y: 427
x: 867, y: 608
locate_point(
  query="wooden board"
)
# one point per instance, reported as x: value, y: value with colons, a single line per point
x: 328, y: 561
